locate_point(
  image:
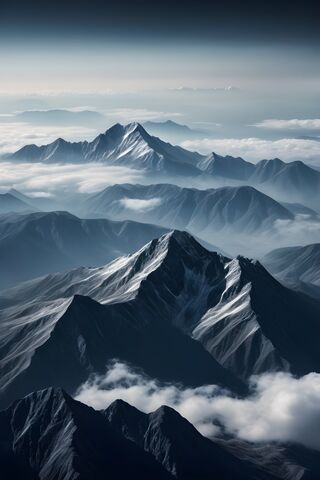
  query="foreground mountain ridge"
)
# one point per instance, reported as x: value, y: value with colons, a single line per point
x: 49, y: 435
x: 171, y: 301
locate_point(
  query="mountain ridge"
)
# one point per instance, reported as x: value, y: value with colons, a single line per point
x: 297, y: 267
x: 54, y: 436
x: 39, y: 243
x: 211, y: 214
x: 171, y: 296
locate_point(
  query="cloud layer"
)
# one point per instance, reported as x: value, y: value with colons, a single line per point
x: 54, y: 178
x: 279, y: 407
x: 14, y: 135
x: 140, y: 205
x: 127, y: 115
x: 292, y: 124
x: 255, y: 149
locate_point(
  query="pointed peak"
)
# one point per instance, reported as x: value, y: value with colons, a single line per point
x: 170, y: 418
x: 13, y: 191
x: 120, y: 406
x: 253, y: 269
x: 135, y: 127
x: 184, y: 240
x: 116, y: 128
x: 43, y: 397
x: 170, y: 249
x: 59, y: 141
x: 215, y: 155
x: 119, y: 403
x: 167, y: 411
x: 181, y: 236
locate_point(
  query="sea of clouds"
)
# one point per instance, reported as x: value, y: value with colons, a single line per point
x: 279, y: 407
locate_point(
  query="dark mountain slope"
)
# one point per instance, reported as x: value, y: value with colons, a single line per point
x: 9, y: 203
x: 174, y: 309
x: 175, y: 443
x: 206, y: 212
x: 49, y: 436
x: 40, y: 243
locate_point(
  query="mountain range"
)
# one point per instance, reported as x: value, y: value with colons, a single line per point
x: 36, y: 203
x: 128, y: 280
x: 296, y: 267
x: 10, y: 203
x: 241, y: 208
x: 129, y: 146
x: 48, y: 435
x: 61, y: 117
x: 133, y: 147
x: 225, y: 216
x: 39, y: 243
x: 174, y: 309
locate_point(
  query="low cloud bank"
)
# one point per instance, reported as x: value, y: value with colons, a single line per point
x: 279, y: 407
x: 52, y: 178
x: 14, y: 135
x: 291, y: 124
x: 127, y: 115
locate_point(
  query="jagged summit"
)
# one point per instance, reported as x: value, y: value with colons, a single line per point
x: 175, y: 442
x: 119, y: 129
x: 131, y: 146
x: 127, y: 145
x: 49, y: 435
x: 186, y: 242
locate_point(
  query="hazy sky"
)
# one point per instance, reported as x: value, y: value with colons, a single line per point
x: 157, y: 60
x: 101, y: 45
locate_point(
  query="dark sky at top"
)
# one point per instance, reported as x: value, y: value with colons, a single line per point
x: 228, y: 21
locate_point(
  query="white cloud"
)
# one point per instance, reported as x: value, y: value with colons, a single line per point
x: 14, y: 135
x: 126, y: 115
x: 54, y: 178
x: 279, y: 407
x: 40, y: 194
x: 292, y: 124
x: 140, y: 205
x: 256, y: 149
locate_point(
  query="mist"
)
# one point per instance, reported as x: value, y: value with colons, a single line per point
x: 279, y: 407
